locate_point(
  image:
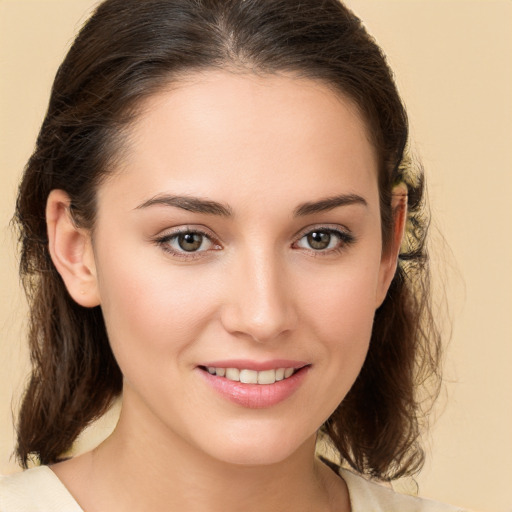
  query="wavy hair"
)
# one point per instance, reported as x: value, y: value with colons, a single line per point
x: 131, y: 49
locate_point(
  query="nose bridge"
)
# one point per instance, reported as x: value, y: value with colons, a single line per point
x: 260, y: 305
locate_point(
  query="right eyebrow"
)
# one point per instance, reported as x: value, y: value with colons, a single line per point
x: 328, y: 203
x: 189, y: 203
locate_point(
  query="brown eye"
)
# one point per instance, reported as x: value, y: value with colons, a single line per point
x: 185, y: 243
x: 190, y: 242
x: 319, y: 240
x: 325, y: 240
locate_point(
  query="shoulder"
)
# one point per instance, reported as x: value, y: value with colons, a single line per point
x: 35, y: 490
x: 368, y: 496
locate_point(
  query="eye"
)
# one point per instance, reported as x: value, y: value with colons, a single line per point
x: 186, y: 243
x: 190, y: 242
x: 325, y: 240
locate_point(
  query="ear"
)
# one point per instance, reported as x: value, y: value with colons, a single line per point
x: 389, y: 259
x: 71, y: 250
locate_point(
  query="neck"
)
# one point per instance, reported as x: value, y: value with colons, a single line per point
x: 149, y: 468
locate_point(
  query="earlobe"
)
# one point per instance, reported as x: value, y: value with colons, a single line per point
x: 390, y: 257
x: 71, y: 250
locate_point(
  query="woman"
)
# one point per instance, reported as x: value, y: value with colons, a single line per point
x: 213, y: 223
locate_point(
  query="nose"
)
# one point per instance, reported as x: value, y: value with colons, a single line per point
x: 259, y: 300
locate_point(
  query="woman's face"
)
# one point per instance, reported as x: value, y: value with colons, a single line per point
x: 240, y: 232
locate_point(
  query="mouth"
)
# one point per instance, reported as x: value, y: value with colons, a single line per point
x: 248, y: 376
x: 255, y: 385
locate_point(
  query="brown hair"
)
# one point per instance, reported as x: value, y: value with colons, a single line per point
x: 130, y: 49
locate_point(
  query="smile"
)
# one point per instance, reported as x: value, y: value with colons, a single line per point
x: 246, y: 376
x: 263, y: 385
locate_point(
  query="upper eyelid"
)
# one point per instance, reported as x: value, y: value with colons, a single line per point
x: 170, y: 232
x: 209, y: 233
x: 325, y: 227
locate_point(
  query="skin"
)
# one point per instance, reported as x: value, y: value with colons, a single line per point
x: 257, y: 291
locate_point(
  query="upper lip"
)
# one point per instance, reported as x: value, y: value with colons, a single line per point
x: 247, y: 364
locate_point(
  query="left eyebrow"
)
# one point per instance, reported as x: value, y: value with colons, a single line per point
x: 191, y: 204
x: 329, y: 203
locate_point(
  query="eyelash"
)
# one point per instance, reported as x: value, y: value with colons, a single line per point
x: 345, y: 239
x: 164, y: 240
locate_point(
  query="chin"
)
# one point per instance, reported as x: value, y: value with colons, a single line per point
x: 260, y: 449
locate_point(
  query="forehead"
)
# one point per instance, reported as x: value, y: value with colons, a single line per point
x: 242, y: 134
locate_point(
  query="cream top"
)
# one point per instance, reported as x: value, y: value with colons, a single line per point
x: 40, y: 490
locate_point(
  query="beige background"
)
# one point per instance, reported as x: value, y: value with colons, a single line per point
x: 452, y: 60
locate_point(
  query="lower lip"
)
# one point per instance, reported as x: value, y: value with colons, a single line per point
x: 255, y: 396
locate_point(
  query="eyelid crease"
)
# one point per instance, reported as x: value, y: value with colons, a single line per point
x: 179, y: 230
x: 335, y: 228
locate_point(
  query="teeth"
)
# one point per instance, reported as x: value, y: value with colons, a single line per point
x: 248, y: 376
x: 233, y: 374
x: 251, y: 376
x: 266, y: 377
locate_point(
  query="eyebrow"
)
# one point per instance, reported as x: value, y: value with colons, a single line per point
x: 329, y: 203
x: 206, y: 206
x: 191, y: 204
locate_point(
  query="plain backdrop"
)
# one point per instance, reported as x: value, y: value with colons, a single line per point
x: 452, y: 59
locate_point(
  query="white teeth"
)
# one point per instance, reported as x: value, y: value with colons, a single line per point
x: 267, y: 377
x: 252, y: 376
x: 249, y: 376
x: 233, y: 374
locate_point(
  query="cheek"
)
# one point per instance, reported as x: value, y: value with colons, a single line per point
x: 345, y: 323
x: 341, y: 301
x: 339, y: 312
x: 151, y: 309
